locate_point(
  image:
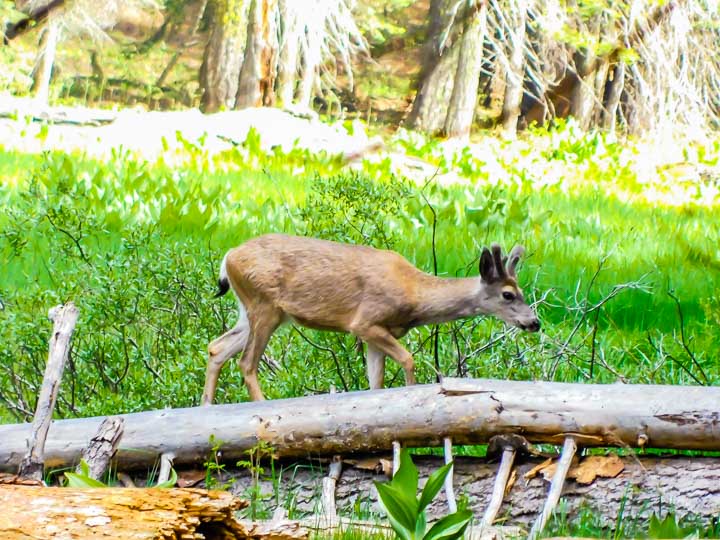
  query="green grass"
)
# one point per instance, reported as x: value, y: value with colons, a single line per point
x: 137, y: 245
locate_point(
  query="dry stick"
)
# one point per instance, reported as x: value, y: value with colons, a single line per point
x: 329, y: 483
x: 328, y: 488
x: 102, y: 446
x: 64, y: 319
x: 396, y: 456
x: 166, y: 463
x: 496, y: 499
x: 568, y: 452
x: 449, y: 492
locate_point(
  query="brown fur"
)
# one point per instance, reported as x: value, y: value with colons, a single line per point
x: 374, y: 294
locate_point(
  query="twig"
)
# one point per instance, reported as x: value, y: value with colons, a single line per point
x: 563, y: 466
x: 496, y: 499
x: 396, y: 456
x: 166, y: 463
x: 327, y: 350
x: 435, y: 331
x: 449, y: 491
x: 682, y: 337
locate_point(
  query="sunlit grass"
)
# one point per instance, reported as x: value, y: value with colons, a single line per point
x: 153, y: 234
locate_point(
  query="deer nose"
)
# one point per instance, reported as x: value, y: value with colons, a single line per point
x: 533, y: 326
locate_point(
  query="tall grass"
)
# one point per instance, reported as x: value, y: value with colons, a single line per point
x: 627, y: 286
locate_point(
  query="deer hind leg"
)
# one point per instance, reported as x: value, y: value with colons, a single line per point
x: 375, y: 367
x: 382, y: 339
x: 264, y: 320
x: 221, y: 350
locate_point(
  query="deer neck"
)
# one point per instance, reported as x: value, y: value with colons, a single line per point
x: 442, y: 300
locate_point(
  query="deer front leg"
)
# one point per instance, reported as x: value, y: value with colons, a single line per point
x: 219, y: 352
x: 381, y: 339
x: 375, y: 367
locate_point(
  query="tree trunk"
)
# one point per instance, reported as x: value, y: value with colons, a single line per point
x: 440, y: 61
x: 615, y: 87
x: 42, y: 73
x: 256, y: 86
x: 461, y: 109
x: 515, y: 74
x: 223, y: 56
x: 311, y: 64
x: 38, y: 512
x: 683, y: 417
x: 644, y: 485
x: 601, y: 77
x: 288, y: 54
x: 583, y: 97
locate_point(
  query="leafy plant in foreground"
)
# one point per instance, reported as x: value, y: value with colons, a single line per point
x: 406, y: 512
x: 84, y: 480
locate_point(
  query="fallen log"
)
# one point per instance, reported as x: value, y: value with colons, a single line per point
x: 645, y: 484
x: 39, y: 512
x: 469, y: 411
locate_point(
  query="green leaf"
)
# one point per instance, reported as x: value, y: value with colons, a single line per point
x: 450, y: 527
x: 76, y: 480
x: 170, y: 482
x: 398, y: 506
x: 667, y: 528
x: 420, y: 525
x: 433, y: 485
x: 406, y: 477
x: 402, y: 532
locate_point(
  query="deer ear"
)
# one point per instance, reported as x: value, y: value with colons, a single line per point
x: 514, y: 259
x: 487, y: 266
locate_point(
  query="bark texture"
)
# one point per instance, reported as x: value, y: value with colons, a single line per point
x: 42, y: 73
x: 64, y: 319
x: 257, y: 79
x: 515, y: 73
x: 461, y: 108
x: 223, y: 56
x: 102, y: 447
x: 646, y: 485
x: 440, y: 61
x: 37, y: 512
x: 470, y: 411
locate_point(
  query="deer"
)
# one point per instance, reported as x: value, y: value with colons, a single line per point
x: 375, y: 294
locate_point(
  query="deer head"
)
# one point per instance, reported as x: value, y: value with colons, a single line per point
x: 502, y: 297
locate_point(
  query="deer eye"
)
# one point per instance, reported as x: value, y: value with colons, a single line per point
x: 508, y: 296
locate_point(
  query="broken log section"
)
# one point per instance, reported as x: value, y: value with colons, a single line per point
x: 38, y: 512
x: 64, y: 318
x: 470, y: 411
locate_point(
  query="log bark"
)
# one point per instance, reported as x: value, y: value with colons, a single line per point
x: 64, y: 319
x: 646, y: 484
x: 37, y: 512
x: 470, y: 411
x: 102, y: 447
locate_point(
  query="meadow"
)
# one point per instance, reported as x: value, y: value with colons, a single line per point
x: 622, y: 260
